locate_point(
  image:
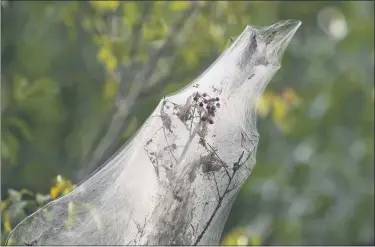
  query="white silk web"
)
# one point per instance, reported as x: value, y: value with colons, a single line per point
x: 176, y: 180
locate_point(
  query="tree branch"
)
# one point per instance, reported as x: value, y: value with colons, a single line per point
x: 134, y: 45
x: 136, y: 31
x: 124, y: 105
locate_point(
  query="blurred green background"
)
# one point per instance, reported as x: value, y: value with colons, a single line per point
x: 67, y: 66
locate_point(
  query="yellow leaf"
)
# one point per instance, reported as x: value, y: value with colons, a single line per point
x: 234, y: 237
x: 242, y: 240
x: 103, y: 53
x: 106, y: 56
x: 179, y: 5
x: 4, y: 205
x: 113, y: 5
x: 264, y: 105
x: 111, y: 63
x: 54, y: 192
x: 59, y: 179
x: 105, y: 5
x: 66, y: 191
x: 279, y: 110
x: 130, y: 13
x: 7, y: 223
x: 230, y: 239
x: 255, y: 240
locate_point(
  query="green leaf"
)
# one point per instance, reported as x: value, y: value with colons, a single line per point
x: 9, y: 146
x: 19, y: 83
x: 26, y: 192
x: 21, y: 125
x: 14, y: 195
x: 130, y: 14
x: 5, y: 150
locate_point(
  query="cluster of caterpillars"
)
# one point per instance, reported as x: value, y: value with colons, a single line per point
x: 208, y: 105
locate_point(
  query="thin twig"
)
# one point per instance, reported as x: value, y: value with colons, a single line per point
x: 217, y: 187
x: 208, y: 222
x: 222, y: 162
x: 227, y: 190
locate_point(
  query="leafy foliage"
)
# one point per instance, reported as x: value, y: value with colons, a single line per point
x: 20, y: 204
